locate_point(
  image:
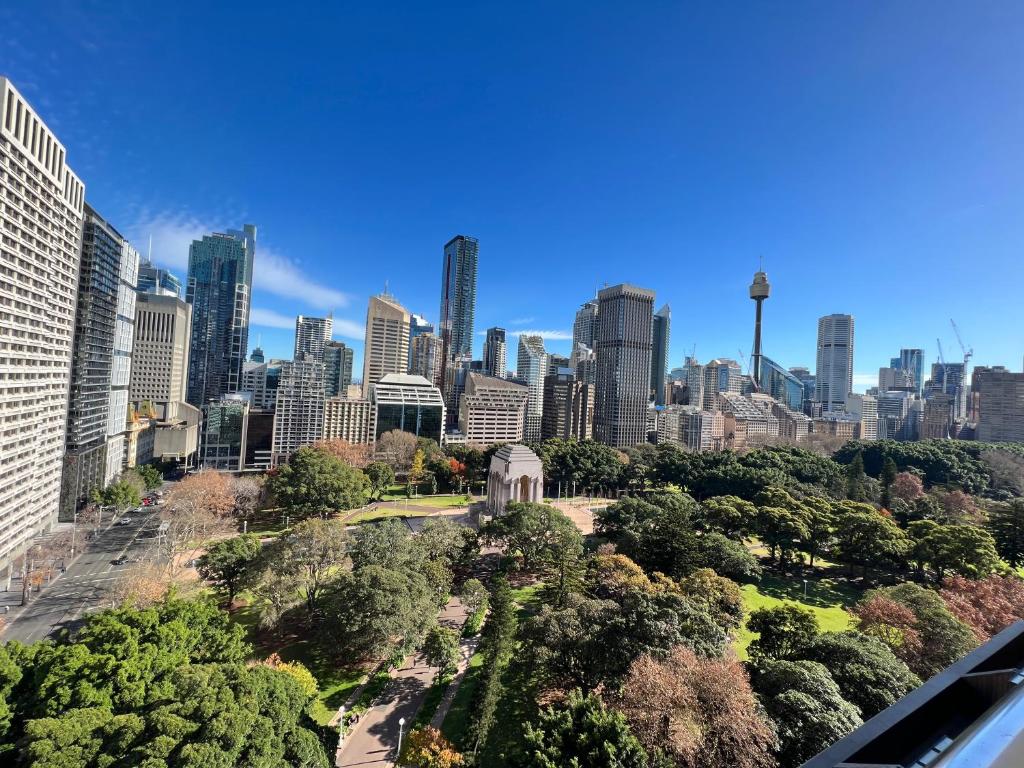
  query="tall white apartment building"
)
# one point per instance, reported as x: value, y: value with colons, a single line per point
x: 386, y: 347
x: 532, y: 367
x: 311, y: 336
x: 299, y: 411
x: 427, y: 357
x: 41, y: 209
x: 163, y: 328
x: 492, y: 410
x: 834, y: 373
x: 864, y: 408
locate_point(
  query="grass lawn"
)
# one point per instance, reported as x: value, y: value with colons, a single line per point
x: 826, y: 598
x: 457, y: 722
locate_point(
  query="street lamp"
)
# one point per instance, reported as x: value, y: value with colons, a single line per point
x: 805, y: 589
x: 401, y: 725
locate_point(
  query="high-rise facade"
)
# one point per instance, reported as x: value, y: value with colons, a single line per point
x: 418, y: 326
x: 623, y: 346
x: 163, y: 331
x: 865, y: 408
x: 409, y: 404
x: 531, y: 368
x: 584, y: 326
x: 998, y: 404
x: 348, y: 419
x: 225, y: 424
x: 834, y: 373
x: 458, y: 297
x: 386, y: 348
x: 659, y: 353
x: 912, y: 362
x: 721, y: 375
x: 779, y: 383
x: 101, y: 362
x: 153, y: 279
x: 299, y: 409
x: 41, y: 220
x: 426, y: 357
x: 220, y: 292
x: 337, y: 368
x: 495, y: 353
x: 568, y: 407
x: 311, y: 337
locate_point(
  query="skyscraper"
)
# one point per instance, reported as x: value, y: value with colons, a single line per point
x: 100, y: 363
x: 40, y: 253
x: 585, y: 324
x: 531, y: 368
x: 721, y: 376
x: 623, y: 346
x: 495, y: 353
x: 998, y: 397
x: 834, y: 372
x: 659, y: 353
x: 418, y: 325
x: 568, y: 407
x: 153, y: 279
x: 911, y: 361
x: 299, y: 409
x: 220, y: 292
x: 386, y: 349
x: 337, y: 368
x: 426, y: 357
x: 458, y: 297
x: 163, y: 332
x: 311, y: 337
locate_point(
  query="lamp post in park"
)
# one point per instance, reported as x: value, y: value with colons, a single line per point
x: 401, y: 725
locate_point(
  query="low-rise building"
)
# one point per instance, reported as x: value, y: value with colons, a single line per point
x: 492, y: 410
x: 407, y: 403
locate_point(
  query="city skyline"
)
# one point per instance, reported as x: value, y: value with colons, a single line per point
x: 841, y: 199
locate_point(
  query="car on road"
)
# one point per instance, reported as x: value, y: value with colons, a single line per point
x: 125, y: 521
x: 119, y: 560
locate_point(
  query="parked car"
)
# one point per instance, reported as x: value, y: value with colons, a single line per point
x: 125, y: 521
x: 119, y: 560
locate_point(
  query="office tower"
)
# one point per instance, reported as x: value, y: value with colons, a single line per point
x: 426, y: 357
x: 834, y: 373
x: 759, y: 291
x: 895, y: 379
x: 41, y: 219
x: 864, y: 408
x: 693, y: 373
x: 163, y: 329
x: 998, y: 404
x: 493, y: 410
x: 311, y: 336
x: 225, y: 423
x: 495, y: 353
x: 254, y: 383
x: 348, y: 419
x: 458, y: 298
x: 299, y: 408
x: 100, y: 363
x: 407, y: 403
x: 584, y: 361
x: 899, y: 415
x: 418, y: 326
x: 568, y: 407
x: 721, y: 375
x: 337, y: 368
x: 531, y: 368
x: 780, y: 384
x: 623, y: 347
x: 257, y: 356
x: 585, y: 325
x: 659, y: 353
x: 807, y: 379
x: 153, y: 279
x: 692, y: 428
x: 220, y: 291
x: 949, y: 379
x: 386, y: 348
x: 912, y: 362
x: 938, y: 417
x: 121, y: 368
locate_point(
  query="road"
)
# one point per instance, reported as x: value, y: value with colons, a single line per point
x: 87, y: 583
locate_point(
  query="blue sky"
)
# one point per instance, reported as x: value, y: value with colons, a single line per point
x: 871, y: 153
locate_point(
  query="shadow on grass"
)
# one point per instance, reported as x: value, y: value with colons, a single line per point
x: 823, y: 592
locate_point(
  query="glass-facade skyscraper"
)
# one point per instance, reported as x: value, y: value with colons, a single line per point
x: 781, y: 384
x: 912, y: 361
x: 458, y: 296
x: 659, y: 353
x: 220, y: 292
x: 153, y: 279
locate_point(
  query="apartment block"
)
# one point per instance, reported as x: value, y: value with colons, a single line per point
x: 492, y: 410
x: 299, y: 408
x: 568, y: 407
x: 349, y: 420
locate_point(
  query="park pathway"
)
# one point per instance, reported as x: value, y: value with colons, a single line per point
x: 373, y: 741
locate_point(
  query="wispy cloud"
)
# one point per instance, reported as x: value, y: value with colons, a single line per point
x: 548, y: 335
x: 522, y: 320
x: 349, y: 329
x: 268, y: 318
x: 273, y: 273
x: 865, y: 380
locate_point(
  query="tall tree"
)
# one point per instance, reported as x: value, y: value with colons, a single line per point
x: 856, y: 480
x: 426, y: 748
x: 315, y: 484
x: 533, y: 532
x: 785, y: 631
x: 441, y: 650
x: 228, y: 562
x: 1006, y: 523
x: 380, y: 476
x: 987, y: 605
x: 887, y: 478
x: 582, y: 733
x: 700, y: 712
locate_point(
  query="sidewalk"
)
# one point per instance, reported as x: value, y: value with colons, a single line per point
x: 373, y: 741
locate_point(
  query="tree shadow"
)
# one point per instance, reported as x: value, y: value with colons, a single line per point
x: 822, y: 592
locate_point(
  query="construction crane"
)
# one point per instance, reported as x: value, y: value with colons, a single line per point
x: 746, y: 365
x: 968, y: 351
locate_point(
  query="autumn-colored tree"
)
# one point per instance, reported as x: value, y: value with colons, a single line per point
x: 248, y: 493
x: 354, y: 454
x: 143, y: 585
x: 297, y: 670
x: 427, y: 748
x: 959, y: 508
x: 196, y: 510
x: 907, y: 486
x: 609, y: 576
x: 700, y: 712
x: 987, y: 606
x: 458, y: 473
x: 397, y: 448
x: 891, y: 622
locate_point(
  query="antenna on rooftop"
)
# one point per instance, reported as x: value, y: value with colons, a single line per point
x: 149, y: 254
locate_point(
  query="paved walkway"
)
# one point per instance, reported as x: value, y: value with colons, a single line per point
x: 467, y: 649
x: 373, y: 741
